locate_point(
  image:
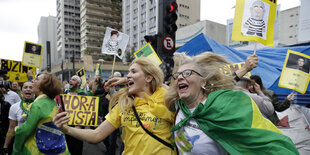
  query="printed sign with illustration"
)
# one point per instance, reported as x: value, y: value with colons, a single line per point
x: 82, y: 109
x: 32, y: 54
x: 16, y: 71
x: 148, y: 51
x: 81, y: 74
x: 254, y: 21
x: 229, y: 69
x: 114, y: 43
x: 295, y: 73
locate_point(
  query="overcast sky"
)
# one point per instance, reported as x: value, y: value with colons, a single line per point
x: 19, y: 20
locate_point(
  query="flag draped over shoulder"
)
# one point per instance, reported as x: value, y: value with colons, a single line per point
x: 233, y: 120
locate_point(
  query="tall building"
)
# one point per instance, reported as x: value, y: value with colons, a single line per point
x: 96, y: 15
x: 140, y: 18
x: 68, y: 30
x: 289, y: 26
x: 47, y: 32
x: 188, y: 12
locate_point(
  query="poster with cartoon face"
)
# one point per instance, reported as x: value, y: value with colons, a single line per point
x: 254, y: 21
x: 114, y: 43
x: 255, y: 18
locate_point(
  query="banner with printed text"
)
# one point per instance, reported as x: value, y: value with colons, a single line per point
x: 295, y: 73
x: 148, y: 51
x: 254, y: 21
x: 16, y: 72
x: 82, y: 109
x: 81, y: 74
x: 32, y: 55
x: 231, y: 68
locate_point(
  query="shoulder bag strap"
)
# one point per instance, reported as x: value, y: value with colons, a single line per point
x: 148, y: 132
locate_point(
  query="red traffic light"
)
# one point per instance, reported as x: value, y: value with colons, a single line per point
x: 173, y: 7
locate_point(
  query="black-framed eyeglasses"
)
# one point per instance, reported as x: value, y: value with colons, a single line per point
x: 185, y: 73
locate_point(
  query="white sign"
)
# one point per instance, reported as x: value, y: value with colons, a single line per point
x: 168, y: 43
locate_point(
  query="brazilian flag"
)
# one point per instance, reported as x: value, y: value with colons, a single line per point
x: 232, y: 119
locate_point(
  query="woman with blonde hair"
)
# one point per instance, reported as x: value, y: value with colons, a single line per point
x: 141, y: 103
x: 214, y: 118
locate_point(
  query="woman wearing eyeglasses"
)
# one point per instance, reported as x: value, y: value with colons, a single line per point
x: 214, y: 118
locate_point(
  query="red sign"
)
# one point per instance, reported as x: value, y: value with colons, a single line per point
x: 168, y: 43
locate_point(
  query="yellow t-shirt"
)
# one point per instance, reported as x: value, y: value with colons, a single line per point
x: 155, y: 117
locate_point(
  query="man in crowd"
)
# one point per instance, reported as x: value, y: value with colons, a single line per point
x: 9, y: 95
x: 75, y: 146
x: 253, y: 90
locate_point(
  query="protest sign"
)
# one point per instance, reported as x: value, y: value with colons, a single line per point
x: 254, y: 21
x: 32, y: 55
x: 88, y: 62
x: 81, y: 74
x: 114, y: 43
x: 82, y: 109
x: 229, y: 69
x: 148, y: 51
x: 295, y: 73
x: 16, y: 71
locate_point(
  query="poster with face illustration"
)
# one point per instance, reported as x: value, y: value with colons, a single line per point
x: 295, y: 73
x: 114, y: 43
x: 254, y: 21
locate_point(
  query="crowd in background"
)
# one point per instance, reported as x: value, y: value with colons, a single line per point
x: 200, y: 108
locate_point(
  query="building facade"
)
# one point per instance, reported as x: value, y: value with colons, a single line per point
x: 96, y: 15
x: 47, y: 32
x: 140, y: 18
x: 289, y: 26
x: 68, y: 30
x: 214, y: 30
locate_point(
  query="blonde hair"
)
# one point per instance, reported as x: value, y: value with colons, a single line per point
x: 209, y: 66
x: 122, y: 97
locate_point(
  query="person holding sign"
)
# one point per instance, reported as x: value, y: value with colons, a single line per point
x: 278, y: 106
x: 38, y: 134
x: 143, y: 99
x: 75, y: 145
x: 212, y: 117
x: 18, y: 112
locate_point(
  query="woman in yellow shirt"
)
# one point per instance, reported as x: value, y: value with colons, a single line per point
x: 146, y: 94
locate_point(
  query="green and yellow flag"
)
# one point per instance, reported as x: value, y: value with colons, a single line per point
x: 232, y: 119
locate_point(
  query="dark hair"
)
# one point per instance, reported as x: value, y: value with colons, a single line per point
x: 258, y: 80
x: 50, y: 86
x: 114, y: 32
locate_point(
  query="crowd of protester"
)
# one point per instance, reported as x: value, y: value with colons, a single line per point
x: 201, y: 111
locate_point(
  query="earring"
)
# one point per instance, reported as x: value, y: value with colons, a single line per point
x: 203, y: 87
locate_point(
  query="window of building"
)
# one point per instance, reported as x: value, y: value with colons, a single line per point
x: 291, y: 26
x: 290, y: 36
x: 291, y: 15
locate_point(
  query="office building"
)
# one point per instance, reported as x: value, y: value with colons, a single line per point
x: 96, y: 15
x: 47, y: 32
x: 140, y: 18
x: 68, y: 30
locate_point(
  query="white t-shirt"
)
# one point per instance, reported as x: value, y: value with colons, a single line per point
x: 11, y: 97
x: 191, y: 140
x: 16, y: 114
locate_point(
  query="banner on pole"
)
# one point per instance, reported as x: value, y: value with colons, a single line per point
x: 148, y: 51
x: 254, y: 21
x: 88, y: 62
x: 81, y: 74
x: 32, y: 55
x: 295, y: 73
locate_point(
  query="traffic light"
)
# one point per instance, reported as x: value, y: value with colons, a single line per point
x: 153, y: 40
x: 170, y: 18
